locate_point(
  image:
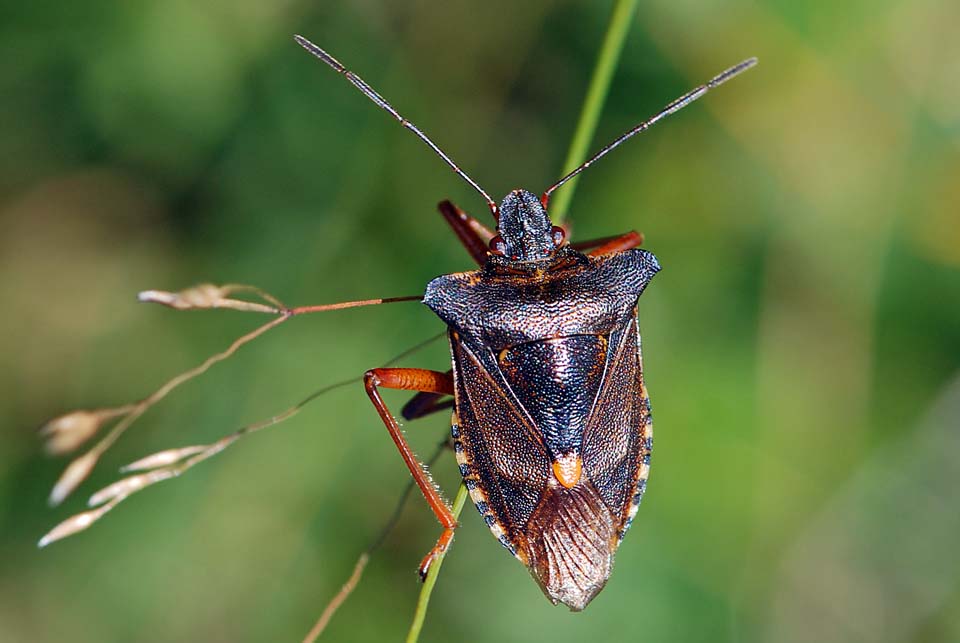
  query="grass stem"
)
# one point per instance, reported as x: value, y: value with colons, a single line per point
x: 424, y: 600
x: 606, y: 64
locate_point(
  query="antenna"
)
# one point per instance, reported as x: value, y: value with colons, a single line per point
x: 675, y: 106
x: 370, y: 93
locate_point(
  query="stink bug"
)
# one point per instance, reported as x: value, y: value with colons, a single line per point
x: 551, y: 423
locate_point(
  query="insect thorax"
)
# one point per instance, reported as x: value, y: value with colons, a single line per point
x: 508, y: 303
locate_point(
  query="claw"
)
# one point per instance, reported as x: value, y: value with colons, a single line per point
x: 436, y: 553
x: 427, y: 561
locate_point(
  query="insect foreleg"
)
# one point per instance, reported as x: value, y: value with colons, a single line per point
x: 474, y: 236
x: 607, y: 245
x: 415, y: 379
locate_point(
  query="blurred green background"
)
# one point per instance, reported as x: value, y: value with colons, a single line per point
x: 802, y: 344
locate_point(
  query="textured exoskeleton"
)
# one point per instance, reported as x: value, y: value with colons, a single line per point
x: 552, y: 427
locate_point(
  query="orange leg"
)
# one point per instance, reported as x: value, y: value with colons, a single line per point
x: 424, y: 404
x: 474, y: 236
x: 607, y: 245
x: 415, y: 379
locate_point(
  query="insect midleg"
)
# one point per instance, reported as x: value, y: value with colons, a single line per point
x: 425, y: 381
x: 424, y: 404
x: 607, y: 245
x: 474, y: 236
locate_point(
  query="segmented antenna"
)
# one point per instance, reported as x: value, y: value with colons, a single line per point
x: 370, y: 93
x: 675, y: 106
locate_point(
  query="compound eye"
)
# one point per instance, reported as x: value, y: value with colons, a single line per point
x: 498, y: 246
x: 559, y: 236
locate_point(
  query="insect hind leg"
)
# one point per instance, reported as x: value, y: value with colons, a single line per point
x: 425, y: 381
x: 424, y: 404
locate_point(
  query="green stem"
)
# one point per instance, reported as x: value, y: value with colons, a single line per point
x: 421, y: 613
x: 617, y: 29
x: 593, y: 104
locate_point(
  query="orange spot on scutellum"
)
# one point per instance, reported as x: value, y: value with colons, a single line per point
x: 567, y: 469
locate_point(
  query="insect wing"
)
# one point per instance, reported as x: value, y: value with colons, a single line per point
x: 502, y: 459
x: 618, y: 437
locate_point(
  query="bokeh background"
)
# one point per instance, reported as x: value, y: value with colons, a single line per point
x: 802, y: 344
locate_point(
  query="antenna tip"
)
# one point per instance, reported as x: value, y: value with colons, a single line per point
x: 319, y: 53
x: 745, y: 65
x: 303, y: 42
x: 736, y: 70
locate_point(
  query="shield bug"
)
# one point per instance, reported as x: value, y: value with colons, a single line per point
x: 551, y: 424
